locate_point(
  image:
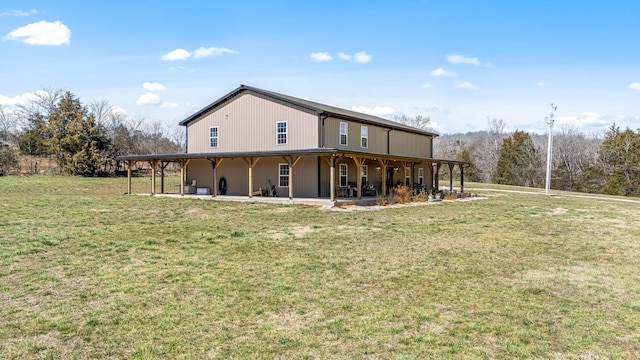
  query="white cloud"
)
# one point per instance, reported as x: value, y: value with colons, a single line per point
x: 377, y: 110
x: 118, y: 110
x: 359, y: 57
x: 18, y: 12
x: 634, y: 86
x: 442, y: 72
x: 465, y: 85
x: 461, y: 59
x: 540, y: 83
x: 153, y: 86
x: 426, y: 86
x: 587, y: 119
x: 177, y: 68
x: 41, y: 33
x: 177, y: 54
x: 211, y: 51
x: 320, y: 56
x: 168, y: 104
x: 16, y: 100
x: 148, y: 99
x: 362, y: 57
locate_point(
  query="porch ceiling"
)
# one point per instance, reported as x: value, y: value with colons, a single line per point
x: 177, y: 157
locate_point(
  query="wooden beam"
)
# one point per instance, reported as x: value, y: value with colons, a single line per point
x: 383, y: 168
x: 451, y: 166
x: 359, y: 161
x: 332, y: 179
x: 130, y: 164
x: 163, y: 165
x: 183, y: 167
x: 153, y: 164
x: 461, y: 178
x: 215, y: 162
x: 292, y: 161
x: 251, y: 162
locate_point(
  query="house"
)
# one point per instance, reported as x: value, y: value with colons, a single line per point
x: 251, y: 141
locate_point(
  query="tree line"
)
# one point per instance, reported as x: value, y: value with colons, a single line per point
x: 606, y: 163
x: 80, y: 139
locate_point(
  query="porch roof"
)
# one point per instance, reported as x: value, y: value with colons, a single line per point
x: 177, y: 157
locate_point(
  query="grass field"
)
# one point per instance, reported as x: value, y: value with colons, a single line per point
x: 86, y: 272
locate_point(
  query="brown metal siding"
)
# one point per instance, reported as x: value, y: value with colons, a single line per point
x: 236, y: 174
x: 377, y: 136
x: 248, y: 123
x: 408, y: 144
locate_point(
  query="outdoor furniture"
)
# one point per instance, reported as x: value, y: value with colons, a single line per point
x: 259, y: 192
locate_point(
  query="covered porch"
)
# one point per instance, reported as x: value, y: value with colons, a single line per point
x: 375, y: 174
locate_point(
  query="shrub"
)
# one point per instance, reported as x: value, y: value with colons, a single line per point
x: 400, y: 194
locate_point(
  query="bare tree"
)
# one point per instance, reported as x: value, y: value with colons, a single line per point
x: 418, y: 121
x: 44, y: 103
x: 8, y: 124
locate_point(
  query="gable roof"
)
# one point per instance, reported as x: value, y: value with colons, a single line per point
x: 320, y: 109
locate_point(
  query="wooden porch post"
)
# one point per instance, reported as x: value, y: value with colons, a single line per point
x: 130, y: 164
x: 153, y: 164
x: 358, y: 162
x: 163, y: 165
x: 332, y: 176
x: 183, y: 167
x: 461, y: 178
x: 436, y: 178
x: 215, y: 162
x: 251, y: 162
x: 383, y: 168
x: 451, y: 166
x: 292, y: 161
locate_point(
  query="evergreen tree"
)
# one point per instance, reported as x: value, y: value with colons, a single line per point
x: 519, y: 162
x: 77, y: 141
x: 620, y: 156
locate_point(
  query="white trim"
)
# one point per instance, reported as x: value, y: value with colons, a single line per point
x: 345, y: 176
x: 364, y: 136
x: 285, y: 132
x: 283, y: 177
x: 345, y: 134
x: 217, y: 137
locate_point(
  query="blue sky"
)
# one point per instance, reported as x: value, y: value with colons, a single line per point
x: 458, y: 62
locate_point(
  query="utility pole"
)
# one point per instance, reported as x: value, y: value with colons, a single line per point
x: 550, y: 120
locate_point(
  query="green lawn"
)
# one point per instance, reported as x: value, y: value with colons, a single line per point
x: 86, y: 272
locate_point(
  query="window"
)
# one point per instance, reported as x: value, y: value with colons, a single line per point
x: 344, y: 132
x: 407, y: 176
x: 364, y: 174
x: 281, y: 133
x: 343, y: 175
x: 283, y: 175
x: 213, y: 137
x: 421, y: 176
x: 364, y: 136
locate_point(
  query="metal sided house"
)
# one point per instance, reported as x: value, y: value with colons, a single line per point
x: 255, y: 142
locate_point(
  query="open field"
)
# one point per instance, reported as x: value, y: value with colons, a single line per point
x: 86, y: 272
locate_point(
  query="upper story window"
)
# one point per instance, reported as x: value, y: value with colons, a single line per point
x: 364, y: 136
x: 344, y: 133
x: 282, y: 133
x: 213, y: 137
